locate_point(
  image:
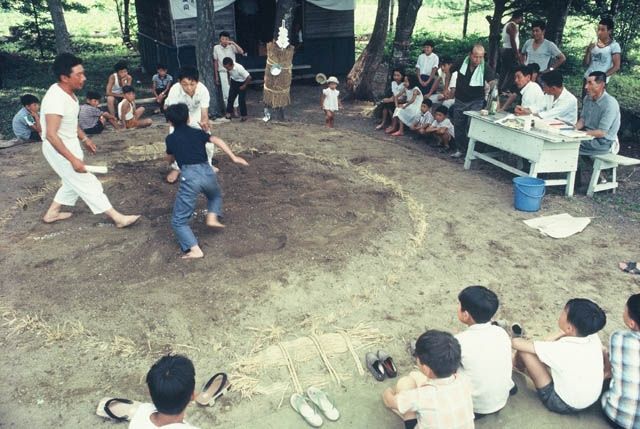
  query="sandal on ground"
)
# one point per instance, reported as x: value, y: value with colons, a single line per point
x: 324, y: 404
x: 308, y: 413
x: 389, y: 367
x: 375, y: 366
x: 630, y: 267
x: 517, y: 331
x: 117, y: 409
x: 217, y: 386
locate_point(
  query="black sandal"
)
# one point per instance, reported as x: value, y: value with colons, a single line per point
x: 219, y: 388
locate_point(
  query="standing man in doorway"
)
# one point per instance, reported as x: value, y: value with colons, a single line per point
x: 227, y: 48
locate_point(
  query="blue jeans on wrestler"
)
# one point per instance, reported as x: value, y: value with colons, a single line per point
x: 195, y: 179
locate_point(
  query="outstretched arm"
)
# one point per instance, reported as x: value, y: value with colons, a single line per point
x: 223, y: 146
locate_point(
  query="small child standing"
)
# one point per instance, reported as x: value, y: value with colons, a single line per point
x: 621, y: 401
x: 441, y: 127
x: 91, y: 119
x: 26, y: 123
x: 330, y: 101
x: 128, y: 113
x: 160, y: 84
x: 437, y: 397
x: 186, y: 146
x: 425, y: 119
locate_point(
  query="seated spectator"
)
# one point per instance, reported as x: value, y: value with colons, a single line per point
x: 436, y: 397
x: 559, y: 103
x: 514, y: 93
x: 532, y: 96
x: 621, y: 400
x: 448, y: 96
x: 600, y: 116
x: 441, y: 127
x: 26, y: 123
x: 440, y: 81
x: 406, y: 112
x: 91, y: 119
x: 427, y: 67
x: 567, y: 370
x: 161, y: 84
x: 389, y: 104
x: 424, y: 120
x: 115, y: 84
x: 129, y: 114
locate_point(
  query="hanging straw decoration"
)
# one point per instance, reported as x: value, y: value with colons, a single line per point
x: 276, y: 88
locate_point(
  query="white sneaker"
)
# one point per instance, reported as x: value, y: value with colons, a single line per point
x: 456, y: 154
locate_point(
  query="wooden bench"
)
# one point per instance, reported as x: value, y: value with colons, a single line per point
x: 605, y: 162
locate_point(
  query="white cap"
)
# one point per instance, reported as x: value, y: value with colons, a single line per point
x: 333, y: 79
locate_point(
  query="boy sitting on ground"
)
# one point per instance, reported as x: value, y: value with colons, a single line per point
x: 423, y: 121
x: 129, y: 114
x: 486, y: 351
x: 436, y: 397
x: 186, y: 146
x: 26, y: 123
x: 621, y: 401
x: 441, y: 127
x: 91, y: 119
x: 567, y: 369
x: 160, y: 84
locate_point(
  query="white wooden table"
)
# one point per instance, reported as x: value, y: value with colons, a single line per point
x: 547, y: 152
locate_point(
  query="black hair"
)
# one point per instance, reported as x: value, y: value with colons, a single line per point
x: 227, y: 61
x: 120, y: 65
x: 633, y: 308
x: 535, y: 67
x: 127, y: 89
x: 442, y: 109
x: 427, y: 102
x: 440, y: 351
x: 177, y: 114
x: 188, y: 72
x: 525, y: 70
x: 600, y: 77
x: 413, y: 80
x: 224, y: 34
x: 171, y: 382
x: 480, y: 302
x: 553, y: 78
x: 63, y: 64
x: 399, y: 70
x: 428, y: 43
x: 161, y: 66
x: 446, y: 60
x: 540, y: 24
x: 518, y: 13
x: 607, y: 22
x: 585, y: 315
x: 93, y: 95
x: 27, y: 99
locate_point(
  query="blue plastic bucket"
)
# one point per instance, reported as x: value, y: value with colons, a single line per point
x: 528, y: 193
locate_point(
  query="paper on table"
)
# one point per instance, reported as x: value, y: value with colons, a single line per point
x: 96, y: 169
x: 559, y: 226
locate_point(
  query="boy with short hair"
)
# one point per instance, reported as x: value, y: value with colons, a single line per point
x: 129, y: 114
x: 26, y: 122
x: 91, y: 119
x: 621, y: 401
x: 436, y: 397
x: 486, y: 350
x: 239, y: 79
x: 186, y: 146
x: 226, y: 48
x: 568, y: 369
x: 427, y: 67
x: 425, y: 119
x: 171, y: 382
x: 160, y: 84
x: 115, y: 84
x: 441, y: 127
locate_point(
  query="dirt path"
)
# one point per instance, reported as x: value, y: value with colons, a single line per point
x: 327, y: 230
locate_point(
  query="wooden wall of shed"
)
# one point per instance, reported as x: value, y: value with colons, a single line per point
x: 186, y: 29
x: 154, y: 18
x: 322, y: 23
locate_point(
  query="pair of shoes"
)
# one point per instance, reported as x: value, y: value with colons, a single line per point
x: 217, y: 386
x: 456, y: 154
x: 309, y: 413
x: 381, y: 365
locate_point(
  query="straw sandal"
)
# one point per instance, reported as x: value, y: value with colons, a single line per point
x: 322, y: 401
x: 308, y: 413
x: 117, y: 409
x: 217, y: 386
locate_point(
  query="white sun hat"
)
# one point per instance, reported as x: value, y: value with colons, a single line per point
x: 333, y: 79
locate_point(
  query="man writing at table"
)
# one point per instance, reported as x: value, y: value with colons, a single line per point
x: 532, y: 95
x: 558, y: 102
x: 600, y: 117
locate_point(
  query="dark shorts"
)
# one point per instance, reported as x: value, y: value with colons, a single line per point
x: 96, y: 129
x: 427, y: 88
x: 410, y: 424
x: 553, y: 402
x: 34, y: 137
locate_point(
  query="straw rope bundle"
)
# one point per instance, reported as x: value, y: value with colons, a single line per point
x: 276, y: 88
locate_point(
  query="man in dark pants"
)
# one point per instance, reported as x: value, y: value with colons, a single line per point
x: 509, y: 51
x: 239, y: 79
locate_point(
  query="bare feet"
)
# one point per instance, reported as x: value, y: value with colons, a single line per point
x: 194, y: 253
x: 126, y: 220
x: 389, y: 130
x: 212, y: 221
x: 215, y: 169
x: 397, y: 134
x: 51, y: 217
x: 173, y: 175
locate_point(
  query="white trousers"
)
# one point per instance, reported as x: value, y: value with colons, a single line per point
x: 75, y: 185
x: 209, y: 147
x: 224, y: 83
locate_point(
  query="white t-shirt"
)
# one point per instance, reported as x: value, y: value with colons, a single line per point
x: 564, y: 108
x: 506, y: 39
x: 330, y: 99
x: 398, y: 89
x: 486, y: 361
x: 142, y: 420
x: 602, y: 58
x: 577, y: 368
x: 427, y: 63
x: 220, y: 53
x: 199, y: 101
x: 58, y: 102
x: 238, y: 73
x: 541, y: 56
x: 532, y: 97
x: 446, y: 123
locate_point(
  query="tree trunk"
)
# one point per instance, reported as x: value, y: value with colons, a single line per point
x: 407, y: 14
x: 465, y: 22
x: 495, y: 30
x: 557, y: 20
x: 204, y: 52
x: 360, y: 78
x: 63, y: 41
x: 391, y: 13
x: 126, y: 34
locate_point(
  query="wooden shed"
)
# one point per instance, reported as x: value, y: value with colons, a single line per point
x: 323, y: 33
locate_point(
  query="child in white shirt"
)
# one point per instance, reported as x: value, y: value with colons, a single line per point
x: 441, y: 127
x: 425, y: 118
x: 330, y: 101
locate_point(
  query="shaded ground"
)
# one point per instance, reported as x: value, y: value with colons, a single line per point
x: 323, y: 232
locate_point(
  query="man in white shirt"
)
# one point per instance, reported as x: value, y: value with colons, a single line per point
x: 542, y: 51
x: 239, y: 79
x: 226, y: 48
x: 559, y: 102
x: 61, y: 137
x: 532, y: 96
x: 427, y: 67
x: 509, y: 57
